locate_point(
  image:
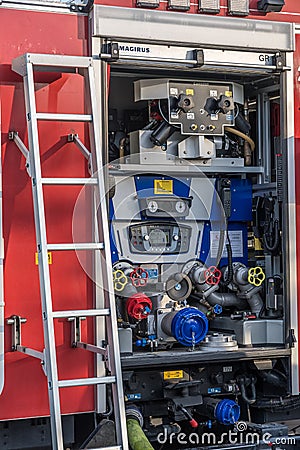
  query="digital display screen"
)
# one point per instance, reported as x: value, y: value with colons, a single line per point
x: 159, y: 236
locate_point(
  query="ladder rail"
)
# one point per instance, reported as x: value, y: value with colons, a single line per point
x: 108, y: 288
x: 44, y: 272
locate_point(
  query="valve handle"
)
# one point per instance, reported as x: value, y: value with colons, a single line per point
x: 212, y: 275
x: 256, y: 276
x: 139, y: 277
x: 120, y: 280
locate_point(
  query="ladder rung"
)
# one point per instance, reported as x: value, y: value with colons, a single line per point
x: 78, y: 246
x: 81, y: 313
x: 60, y: 62
x: 86, y: 381
x: 69, y: 181
x: 65, y: 117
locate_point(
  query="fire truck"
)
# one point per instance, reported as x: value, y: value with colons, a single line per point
x: 148, y: 222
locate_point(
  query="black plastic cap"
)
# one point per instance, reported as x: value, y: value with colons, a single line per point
x: 270, y: 5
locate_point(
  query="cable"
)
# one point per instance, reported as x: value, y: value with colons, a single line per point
x: 161, y: 113
x: 238, y: 110
x: 242, y: 135
x: 271, y: 234
x: 229, y: 277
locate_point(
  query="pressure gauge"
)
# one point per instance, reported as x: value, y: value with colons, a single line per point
x: 153, y: 206
x: 180, y: 206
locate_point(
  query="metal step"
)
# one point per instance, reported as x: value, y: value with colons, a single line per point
x: 81, y: 313
x: 65, y: 117
x: 76, y: 246
x: 69, y: 181
x: 86, y: 381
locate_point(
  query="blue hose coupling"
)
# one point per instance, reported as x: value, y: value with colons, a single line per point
x: 227, y: 412
x: 189, y: 326
x: 218, y: 309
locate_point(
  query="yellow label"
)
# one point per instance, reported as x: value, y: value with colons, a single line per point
x: 257, y: 244
x: 228, y: 93
x: 49, y: 258
x: 173, y: 374
x: 163, y: 187
x: 189, y: 91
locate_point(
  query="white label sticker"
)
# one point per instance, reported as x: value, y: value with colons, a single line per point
x: 236, y: 241
x: 213, y: 93
x: 173, y: 91
x: 190, y: 116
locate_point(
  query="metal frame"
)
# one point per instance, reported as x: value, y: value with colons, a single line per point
x: 148, y: 26
x: 143, y: 28
x: 99, y: 301
x: 290, y: 222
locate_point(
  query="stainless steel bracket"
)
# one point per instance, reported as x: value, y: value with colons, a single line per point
x: 80, y: 145
x: 77, y: 343
x: 14, y: 136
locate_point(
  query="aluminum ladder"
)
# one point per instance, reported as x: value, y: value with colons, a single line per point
x: 26, y: 65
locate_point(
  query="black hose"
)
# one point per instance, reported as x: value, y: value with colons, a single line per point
x: 229, y: 277
x: 279, y: 405
x: 272, y: 247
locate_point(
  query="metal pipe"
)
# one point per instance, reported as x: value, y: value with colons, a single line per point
x: 226, y: 299
x: 255, y: 303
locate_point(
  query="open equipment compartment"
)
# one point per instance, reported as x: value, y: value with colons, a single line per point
x: 196, y: 141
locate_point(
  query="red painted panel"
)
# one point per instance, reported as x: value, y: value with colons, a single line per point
x: 289, y: 13
x: 25, y: 390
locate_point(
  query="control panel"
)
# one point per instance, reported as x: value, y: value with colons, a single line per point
x: 158, y: 238
x: 201, y: 108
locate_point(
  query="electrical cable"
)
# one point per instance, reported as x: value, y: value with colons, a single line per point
x: 237, y: 111
x: 274, y: 233
x: 161, y: 113
x: 229, y: 277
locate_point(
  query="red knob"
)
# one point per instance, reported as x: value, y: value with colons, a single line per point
x: 212, y: 275
x: 139, y: 277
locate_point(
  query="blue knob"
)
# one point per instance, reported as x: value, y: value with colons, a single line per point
x: 227, y: 412
x: 189, y: 326
x: 218, y: 309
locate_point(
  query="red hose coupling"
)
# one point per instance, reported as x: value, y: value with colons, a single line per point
x: 139, y: 306
x: 194, y: 423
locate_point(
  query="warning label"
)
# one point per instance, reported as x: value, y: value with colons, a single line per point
x: 49, y: 258
x: 163, y: 187
x: 236, y: 241
x: 173, y: 374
